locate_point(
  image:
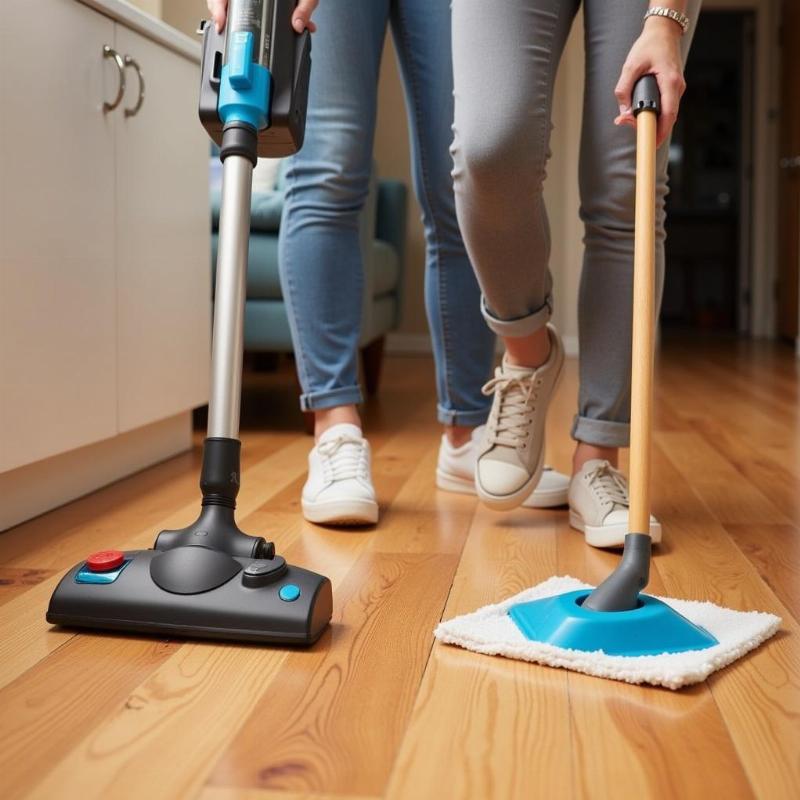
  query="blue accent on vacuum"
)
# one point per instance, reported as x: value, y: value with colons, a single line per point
x: 86, y: 575
x: 289, y: 593
x: 245, y: 87
x: 653, y: 628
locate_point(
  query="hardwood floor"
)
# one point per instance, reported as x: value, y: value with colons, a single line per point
x: 375, y: 708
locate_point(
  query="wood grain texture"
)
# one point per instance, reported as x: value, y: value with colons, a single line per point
x: 344, y: 705
x: 498, y: 713
x: 375, y: 709
x: 232, y: 793
x: 65, y: 698
x: 644, y: 321
x: 14, y: 581
x: 759, y: 699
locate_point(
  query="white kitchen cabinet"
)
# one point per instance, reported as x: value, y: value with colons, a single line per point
x: 58, y: 342
x: 104, y: 242
x: 163, y: 275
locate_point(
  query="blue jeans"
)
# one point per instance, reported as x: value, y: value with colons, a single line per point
x: 327, y: 183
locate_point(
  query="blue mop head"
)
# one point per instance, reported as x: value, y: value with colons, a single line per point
x: 651, y: 629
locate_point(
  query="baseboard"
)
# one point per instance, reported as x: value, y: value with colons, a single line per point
x: 35, y: 488
x: 419, y: 344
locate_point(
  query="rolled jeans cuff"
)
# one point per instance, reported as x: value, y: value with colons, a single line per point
x: 521, y: 326
x: 346, y: 396
x: 469, y: 419
x: 600, y: 432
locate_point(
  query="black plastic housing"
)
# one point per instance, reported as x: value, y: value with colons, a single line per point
x: 232, y: 609
x: 646, y: 96
x: 216, y: 526
x: 290, y: 66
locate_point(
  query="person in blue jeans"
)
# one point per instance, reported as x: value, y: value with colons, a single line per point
x: 327, y: 184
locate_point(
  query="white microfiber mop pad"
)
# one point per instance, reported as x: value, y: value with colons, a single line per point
x: 491, y: 631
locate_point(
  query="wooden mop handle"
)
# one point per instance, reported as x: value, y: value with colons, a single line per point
x: 646, y: 108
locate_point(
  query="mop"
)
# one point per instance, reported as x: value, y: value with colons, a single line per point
x: 614, y: 630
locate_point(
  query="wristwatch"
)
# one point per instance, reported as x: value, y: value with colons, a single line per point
x: 670, y: 13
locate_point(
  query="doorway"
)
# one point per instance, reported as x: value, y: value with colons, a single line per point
x: 709, y: 207
x: 789, y: 175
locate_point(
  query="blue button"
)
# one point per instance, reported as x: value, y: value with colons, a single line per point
x: 240, y: 60
x: 87, y: 576
x: 289, y: 592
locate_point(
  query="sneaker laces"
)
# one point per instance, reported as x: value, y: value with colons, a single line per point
x: 608, y: 484
x: 515, y: 406
x: 343, y: 457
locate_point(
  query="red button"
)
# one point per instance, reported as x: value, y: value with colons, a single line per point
x: 105, y: 560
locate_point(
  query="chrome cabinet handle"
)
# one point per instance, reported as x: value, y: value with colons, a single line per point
x: 134, y: 110
x: 793, y: 162
x: 110, y: 52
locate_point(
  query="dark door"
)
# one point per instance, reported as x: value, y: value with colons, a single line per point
x: 789, y: 173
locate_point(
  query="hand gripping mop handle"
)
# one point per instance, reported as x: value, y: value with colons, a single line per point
x: 620, y: 591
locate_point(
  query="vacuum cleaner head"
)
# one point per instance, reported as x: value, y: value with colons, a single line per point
x: 195, y: 592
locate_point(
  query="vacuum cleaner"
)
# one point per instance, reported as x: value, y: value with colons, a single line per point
x: 210, y: 579
x: 617, y: 617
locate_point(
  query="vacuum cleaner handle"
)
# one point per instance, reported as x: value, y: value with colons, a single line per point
x: 274, y: 46
x: 620, y: 591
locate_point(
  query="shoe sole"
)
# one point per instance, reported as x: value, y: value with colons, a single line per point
x: 341, y: 512
x: 608, y: 535
x: 537, y: 499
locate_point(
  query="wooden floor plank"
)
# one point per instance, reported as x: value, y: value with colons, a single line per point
x: 232, y: 793
x: 482, y: 726
x: 336, y: 724
x: 46, y: 711
x: 758, y: 696
x: 729, y: 496
x: 16, y: 580
x: 774, y: 550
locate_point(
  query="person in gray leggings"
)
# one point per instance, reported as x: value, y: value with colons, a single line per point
x: 504, y: 69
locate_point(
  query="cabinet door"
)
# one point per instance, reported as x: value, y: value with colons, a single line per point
x: 57, y: 277
x: 163, y: 238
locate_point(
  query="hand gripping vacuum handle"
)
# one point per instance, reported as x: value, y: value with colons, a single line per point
x: 258, y: 33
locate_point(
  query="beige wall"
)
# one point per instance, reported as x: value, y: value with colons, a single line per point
x: 184, y: 14
x: 150, y: 6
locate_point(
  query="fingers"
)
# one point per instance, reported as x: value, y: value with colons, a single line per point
x: 671, y: 85
x: 218, y: 10
x: 301, y: 19
x: 624, y: 89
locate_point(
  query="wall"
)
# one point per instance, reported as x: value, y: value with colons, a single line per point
x: 153, y: 7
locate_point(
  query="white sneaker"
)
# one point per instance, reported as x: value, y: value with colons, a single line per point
x: 511, y: 457
x: 598, y: 505
x: 339, y: 488
x: 455, y: 472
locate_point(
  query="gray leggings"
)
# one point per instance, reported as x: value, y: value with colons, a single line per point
x: 505, y: 57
